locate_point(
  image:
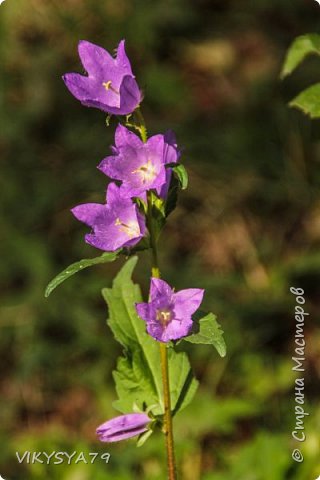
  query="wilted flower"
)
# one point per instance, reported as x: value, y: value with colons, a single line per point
x: 168, y: 314
x: 122, y: 427
x: 140, y: 166
x: 110, y: 84
x: 116, y: 224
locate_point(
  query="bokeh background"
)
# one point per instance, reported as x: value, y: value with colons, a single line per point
x: 247, y: 229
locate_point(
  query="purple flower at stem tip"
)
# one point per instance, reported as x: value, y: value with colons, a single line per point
x: 115, y: 225
x: 123, y: 427
x: 110, y: 84
x: 168, y: 314
x: 141, y: 165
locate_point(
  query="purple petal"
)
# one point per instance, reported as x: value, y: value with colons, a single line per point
x: 96, y: 60
x: 155, y: 146
x: 143, y: 310
x: 130, y: 96
x: 107, y: 243
x: 112, y: 194
x: 123, y: 427
x: 187, y: 301
x: 159, y: 289
x: 122, y: 60
x: 123, y: 137
x: 176, y: 329
x: 83, y: 88
x: 88, y: 212
x: 171, y: 152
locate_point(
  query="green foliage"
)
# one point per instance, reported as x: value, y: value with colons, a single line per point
x: 308, y: 101
x: 138, y: 374
x: 76, y: 267
x: 181, y: 174
x: 301, y: 47
x: 209, y: 333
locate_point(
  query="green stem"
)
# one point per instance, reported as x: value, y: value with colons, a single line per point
x: 141, y: 125
x: 168, y: 427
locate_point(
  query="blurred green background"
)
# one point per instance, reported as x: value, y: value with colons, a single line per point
x: 247, y: 229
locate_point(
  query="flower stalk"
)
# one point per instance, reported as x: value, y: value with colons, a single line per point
x: 168, y: 426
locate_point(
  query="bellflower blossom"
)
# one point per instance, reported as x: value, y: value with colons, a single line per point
x: 141, y: 165
x: 110, y: 84
x: 116, y: 224
x: 168, y: 314
x: 123, y: 427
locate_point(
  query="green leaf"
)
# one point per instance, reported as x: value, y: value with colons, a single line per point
x: 144, y: 437
x: 106, y: 257
x: 209, y: 333
x: 134, y: 384
x: 308, y: 101
x: 138, y: 374
x: 300, y: 48
x: 181, y: 174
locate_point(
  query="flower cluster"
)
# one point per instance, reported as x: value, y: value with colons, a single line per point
x: 136, y: 167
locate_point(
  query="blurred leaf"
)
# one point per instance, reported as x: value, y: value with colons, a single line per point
x: 209, y: 333
x: 138, y: 376
x: 106, y: 257
x: 299, y: 50
x: 308, y: 101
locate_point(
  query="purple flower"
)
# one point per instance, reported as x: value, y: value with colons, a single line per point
x: 122, y: 427
x: 168, y: 314
x: 110, y: 84
x: 140, y: 166
x: 116, y: 224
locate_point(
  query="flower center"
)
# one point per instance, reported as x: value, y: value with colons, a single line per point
x: 164, y: 316
x: 147, y: 172
x: 131, y: 228
x: 108, y: 86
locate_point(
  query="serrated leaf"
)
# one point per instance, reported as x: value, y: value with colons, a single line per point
x: 181, y: 174
x: 134, y: 384
x: 300, y: 48
x: 308, y: 101
x: 138, y: 374
x: 106, y: 257
x: 209, y: 333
